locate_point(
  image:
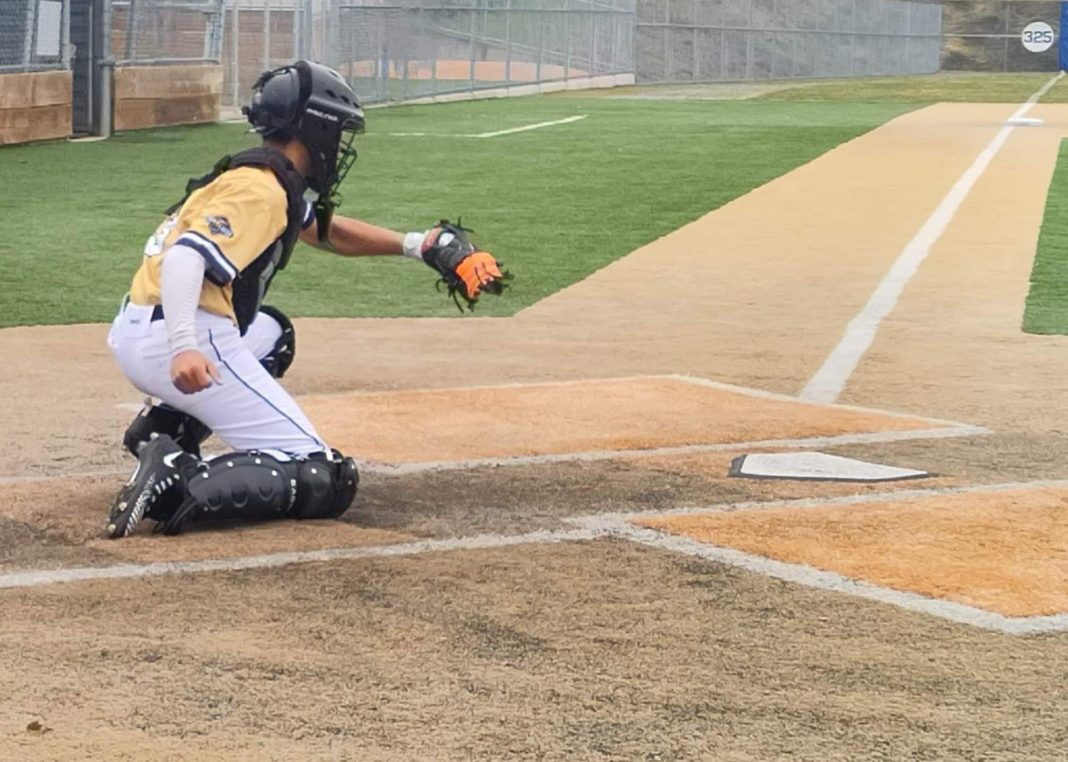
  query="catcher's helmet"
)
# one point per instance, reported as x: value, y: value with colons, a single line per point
x: 313, y: 104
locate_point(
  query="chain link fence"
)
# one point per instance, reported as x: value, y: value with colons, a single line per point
x: 403, y: 49
x: 986, y: 36
x: 34, y: 35
x: 259, y: 35
x: 147, y: 32
x: 400, y: 49
x: 710, y: 40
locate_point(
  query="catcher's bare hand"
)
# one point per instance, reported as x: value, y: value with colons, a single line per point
x: 192, y: 372
x: 465, y: 269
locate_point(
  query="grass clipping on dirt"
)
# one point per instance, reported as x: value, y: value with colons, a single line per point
x: 553, y: 204
x: 1047, y: 301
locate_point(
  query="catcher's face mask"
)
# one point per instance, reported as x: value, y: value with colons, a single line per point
x: 313, y: 104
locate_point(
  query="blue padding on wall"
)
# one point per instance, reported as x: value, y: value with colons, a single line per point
x: 1063, y: 41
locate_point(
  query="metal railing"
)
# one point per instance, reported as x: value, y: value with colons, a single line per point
x: 34, y: 35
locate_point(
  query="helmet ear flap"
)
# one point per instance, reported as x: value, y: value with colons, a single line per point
x: 277, y: 102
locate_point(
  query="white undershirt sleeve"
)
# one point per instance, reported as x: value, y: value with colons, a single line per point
x: 181, y: 279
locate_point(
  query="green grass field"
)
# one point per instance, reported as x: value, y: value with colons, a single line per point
x: 554, y: 204
x: 1047, y: 301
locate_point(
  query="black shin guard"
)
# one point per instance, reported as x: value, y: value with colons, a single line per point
x: 254, y: 486
x: 183, y: 428
x: 247, y: 486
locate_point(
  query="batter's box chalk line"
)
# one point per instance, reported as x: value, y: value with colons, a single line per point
x: 940, y: 428
x: 622, y: 525
x: 610, y: 525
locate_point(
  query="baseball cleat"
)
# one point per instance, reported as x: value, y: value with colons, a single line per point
x: 156, y: 473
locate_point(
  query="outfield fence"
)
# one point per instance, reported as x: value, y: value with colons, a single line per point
x: 987, y: 36
x: 706, y: 40
x: 34, y: 35
x: 401, y: 49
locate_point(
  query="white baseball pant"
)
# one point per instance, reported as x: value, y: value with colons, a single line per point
x: 249, y: 410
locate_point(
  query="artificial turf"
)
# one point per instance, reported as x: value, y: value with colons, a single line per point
x: 553, y: 204
x: 1046, y: 311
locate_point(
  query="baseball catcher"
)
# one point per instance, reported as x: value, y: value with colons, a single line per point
x: 194, y: 333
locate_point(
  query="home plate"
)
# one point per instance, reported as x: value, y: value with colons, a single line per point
x: 817, y: 465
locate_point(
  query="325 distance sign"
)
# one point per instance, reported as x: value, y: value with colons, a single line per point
x: 1038, y: 37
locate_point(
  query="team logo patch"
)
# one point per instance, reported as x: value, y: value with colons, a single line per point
x: 219, y: 226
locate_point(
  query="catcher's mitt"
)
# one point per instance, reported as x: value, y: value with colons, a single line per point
x: 465, y: 269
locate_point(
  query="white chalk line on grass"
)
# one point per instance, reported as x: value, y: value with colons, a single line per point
x: 527, y: 127
x: 829, y: 381
x: 495, y: 134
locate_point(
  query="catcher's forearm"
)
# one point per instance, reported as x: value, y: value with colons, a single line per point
x: 181, y: 279
x: 353, y: 238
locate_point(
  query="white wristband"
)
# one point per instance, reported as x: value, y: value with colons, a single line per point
x: 413, y: 245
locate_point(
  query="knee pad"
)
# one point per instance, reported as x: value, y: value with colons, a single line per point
x: 183, y: 428
x: 326, y: 486
x: 281, y: 356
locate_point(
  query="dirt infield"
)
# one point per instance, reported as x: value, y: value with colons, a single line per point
x: 1002, y: 551
x: 615, y: 415
x: 442, y: 636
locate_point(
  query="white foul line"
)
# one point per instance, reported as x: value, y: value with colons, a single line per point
x: 35, y: 578
x: 831, y: 378
x: 511, y: 131
x: 537, y: 126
